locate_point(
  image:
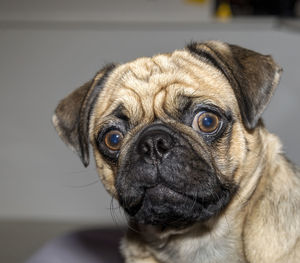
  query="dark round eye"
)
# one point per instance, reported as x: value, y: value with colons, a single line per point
x: 113, y: 140
x: 206, y: 122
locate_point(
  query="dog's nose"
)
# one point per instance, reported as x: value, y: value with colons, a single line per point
x: 154, y: 145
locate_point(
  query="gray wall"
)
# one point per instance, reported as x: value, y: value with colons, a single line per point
x: 41, y: 63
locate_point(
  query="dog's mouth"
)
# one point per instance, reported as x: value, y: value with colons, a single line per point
x: 161, y: 205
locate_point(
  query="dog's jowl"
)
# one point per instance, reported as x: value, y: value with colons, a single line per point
x: 178, y: 140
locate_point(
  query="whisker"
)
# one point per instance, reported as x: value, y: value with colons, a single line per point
x: 84, y: 185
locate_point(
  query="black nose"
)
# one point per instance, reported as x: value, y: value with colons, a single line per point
x: 154, y: 144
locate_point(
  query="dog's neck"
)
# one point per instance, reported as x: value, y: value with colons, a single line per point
x: 220, y: 238
x: 213, y: 241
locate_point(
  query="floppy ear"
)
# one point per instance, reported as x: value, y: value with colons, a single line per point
x: 71, y: 117
x: 253, y: 76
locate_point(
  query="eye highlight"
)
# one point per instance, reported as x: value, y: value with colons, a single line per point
x: 206, y: 122
x: 113, y: 140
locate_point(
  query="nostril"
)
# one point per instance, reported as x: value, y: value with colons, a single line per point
x: 162, y: 146
x: 146, y: 148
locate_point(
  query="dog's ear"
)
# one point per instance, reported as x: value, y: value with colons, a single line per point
x: 71, y: 117
x: 253, y: 76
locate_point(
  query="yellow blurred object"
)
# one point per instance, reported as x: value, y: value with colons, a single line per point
x: 195, y: 1
x: 224, y: 11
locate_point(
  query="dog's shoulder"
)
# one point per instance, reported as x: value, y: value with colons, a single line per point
x: 272, y: 224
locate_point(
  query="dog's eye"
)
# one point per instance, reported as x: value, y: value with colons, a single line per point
x: 206, y: 122
x: 113, y: 140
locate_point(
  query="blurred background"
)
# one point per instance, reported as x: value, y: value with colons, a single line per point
x: 48, y: 48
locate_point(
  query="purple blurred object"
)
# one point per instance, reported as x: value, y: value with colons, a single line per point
x: 86, y: 246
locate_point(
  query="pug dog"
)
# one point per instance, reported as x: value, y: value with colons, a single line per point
x: 178, y: 140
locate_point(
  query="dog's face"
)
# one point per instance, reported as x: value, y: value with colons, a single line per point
x: 171, y: 133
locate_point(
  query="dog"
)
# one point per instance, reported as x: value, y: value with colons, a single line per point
x: 179, y: 141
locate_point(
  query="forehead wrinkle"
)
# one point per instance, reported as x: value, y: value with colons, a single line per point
x: 163, y: 82
x: 168, y: 94
x: 138, y: 102
x: 158, y: 103
x: 143, y: 68
x: 130, y: 102
x: 164, y: 62
x: 180, y: 84
x: 198, y: 65
x: 152, y: 68
x: 158, y: 66
x: 136, y: 73
x: 147, y: 90
x: 114, y: 85
x: 145, y: 95
x: 181, y: 63
x: 209, y: 81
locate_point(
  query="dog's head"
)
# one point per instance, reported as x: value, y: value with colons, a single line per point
x: 170, y: 133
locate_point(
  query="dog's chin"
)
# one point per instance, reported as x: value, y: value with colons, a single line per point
x: 163, y: 206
